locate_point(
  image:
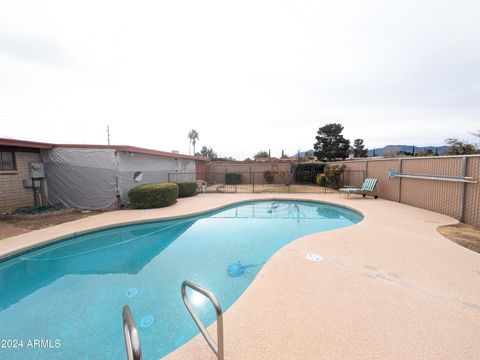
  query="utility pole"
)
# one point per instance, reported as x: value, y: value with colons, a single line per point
x: 108, y: 134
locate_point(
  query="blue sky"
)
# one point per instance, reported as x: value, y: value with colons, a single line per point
x: 249, y: 76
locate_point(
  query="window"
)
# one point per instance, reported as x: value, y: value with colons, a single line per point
x: 7, y: 160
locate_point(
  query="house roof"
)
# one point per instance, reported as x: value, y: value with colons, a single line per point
x: 125, y: 148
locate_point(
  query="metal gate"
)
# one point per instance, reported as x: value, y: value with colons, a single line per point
x: 269, y: 182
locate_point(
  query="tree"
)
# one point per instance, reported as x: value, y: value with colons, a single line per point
x: 261, y: 154
x: 459, y: 147
x: 391, y: 152
x: 207, y: 153
x: 404, y: 153
x: 330, y: 143
x: 359, y: 150
x: 426, y: 152
x: 193, y: 136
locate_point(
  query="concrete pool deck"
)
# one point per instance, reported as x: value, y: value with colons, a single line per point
x: 389, y: 287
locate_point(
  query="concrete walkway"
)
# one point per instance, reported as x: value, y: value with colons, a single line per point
x: 389, y: 287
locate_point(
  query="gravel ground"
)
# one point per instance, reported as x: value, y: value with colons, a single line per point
x: 463, y: 234
x: 12, y: 225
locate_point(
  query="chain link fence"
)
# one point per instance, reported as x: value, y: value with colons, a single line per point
x: 448, y: 184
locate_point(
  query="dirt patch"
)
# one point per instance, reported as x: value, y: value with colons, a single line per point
x: 12, y: 225
x: 463, y: 234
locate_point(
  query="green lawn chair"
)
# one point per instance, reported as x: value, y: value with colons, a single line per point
x: 369, y: 187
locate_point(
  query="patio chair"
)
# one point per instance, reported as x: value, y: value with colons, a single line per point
x: 369, y: 187
x: 202, y: 185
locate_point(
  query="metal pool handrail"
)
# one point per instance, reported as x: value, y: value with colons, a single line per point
x: 217, y: 349
x: 132, y: 339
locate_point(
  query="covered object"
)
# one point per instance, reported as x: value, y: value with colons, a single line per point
x: 99, y: 177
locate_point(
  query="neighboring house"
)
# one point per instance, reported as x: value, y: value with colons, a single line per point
x: 84, y: 176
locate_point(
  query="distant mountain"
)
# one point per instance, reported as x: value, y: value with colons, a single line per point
x: 389, y: 148
x: 407, y: 148
x: 303, y: 153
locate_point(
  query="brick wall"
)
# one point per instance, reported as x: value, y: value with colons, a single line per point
x: 12, y: 192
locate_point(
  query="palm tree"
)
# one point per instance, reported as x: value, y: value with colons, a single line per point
x: 193, y: 136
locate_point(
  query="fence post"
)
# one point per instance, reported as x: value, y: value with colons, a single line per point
x: 399, y: 181
x: 463, y: 188
x: 366, y: 170
x: 253, y: 182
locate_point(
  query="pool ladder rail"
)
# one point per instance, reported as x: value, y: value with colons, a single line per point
x: 217, y: 348
x: 132, y: 339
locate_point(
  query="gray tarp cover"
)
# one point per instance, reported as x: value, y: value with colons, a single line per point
x: 81, y: 178
x: 92, y: 178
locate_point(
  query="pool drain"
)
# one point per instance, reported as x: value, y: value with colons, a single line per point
x: 314, y: 257
x: 146, y: 321
x: 131, y: 292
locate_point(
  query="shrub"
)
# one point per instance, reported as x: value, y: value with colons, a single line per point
x: 186, y: 188
x: 333, y: 175
x: 269, y: 176
x: 147, y: 196
x: 306, y: 173
x: 233, y: 178
x: 320, y: 179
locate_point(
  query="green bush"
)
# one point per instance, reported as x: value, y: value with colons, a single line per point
x: 269, y: 176
x: 333, y: 175
x: 306, y: 173
x: 147, y: 196
x: 186, y: 188
x: 233, y: 178
x: 320, y: 179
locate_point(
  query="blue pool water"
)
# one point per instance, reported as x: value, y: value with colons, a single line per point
x: 71, y: 294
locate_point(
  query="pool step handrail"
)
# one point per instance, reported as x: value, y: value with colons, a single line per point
x: 217, y: 348
x: 130, y: 332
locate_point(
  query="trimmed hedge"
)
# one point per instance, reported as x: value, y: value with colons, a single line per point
x: 233, y: 178
x: 147, y: 196
x: 186, y: 188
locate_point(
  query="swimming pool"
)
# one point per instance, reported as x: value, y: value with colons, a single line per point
x: 70, y: 294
